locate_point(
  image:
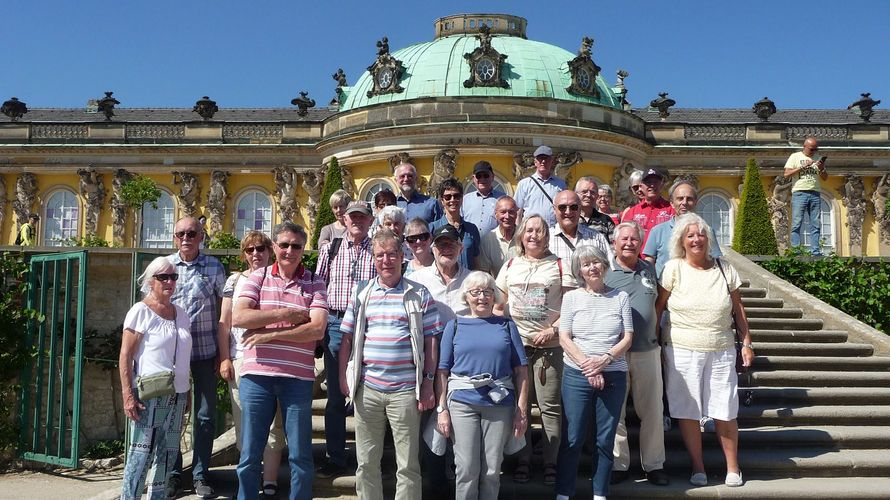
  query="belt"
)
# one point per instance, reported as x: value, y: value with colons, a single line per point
x: 338, y: 314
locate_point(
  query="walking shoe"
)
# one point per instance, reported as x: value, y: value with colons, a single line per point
x: 657, y: 477
x: 707, y: 424
x: 203, y: 489
x: 330, y: 470
x: 734, y: 479
x: 698, y: 479
x: 174, y: 486
x: 619, y: 476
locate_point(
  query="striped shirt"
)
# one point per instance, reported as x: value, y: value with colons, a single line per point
x: 353, y: 263
x: 388, y: 361
x: 268, y: 290
x: 584, y: 235
x: 596, y: 323
x: 199, y: 293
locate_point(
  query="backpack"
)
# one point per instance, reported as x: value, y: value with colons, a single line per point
x: 18, y: 236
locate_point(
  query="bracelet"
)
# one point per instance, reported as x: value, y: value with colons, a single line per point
x: 749, y: 346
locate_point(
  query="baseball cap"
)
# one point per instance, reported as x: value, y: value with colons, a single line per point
x: 543, y: 150
x: 358, y: 206
x: 482, y: 166
x: 446, y: 231
x: 653, y: 171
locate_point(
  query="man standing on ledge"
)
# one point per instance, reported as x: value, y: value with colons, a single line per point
x: 414, y: 203
x: 201, y: 282
x: 805, y: 168
x: 535, y: 193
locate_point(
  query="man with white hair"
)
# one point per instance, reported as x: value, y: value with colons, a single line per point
x: 414, y: 203
x: 588, y: 192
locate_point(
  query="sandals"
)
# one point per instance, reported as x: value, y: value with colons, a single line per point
x: 521, y: 473
x: 550, y: 474
x: 270, y: 491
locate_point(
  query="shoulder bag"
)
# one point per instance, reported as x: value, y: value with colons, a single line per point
x: 159, y: 384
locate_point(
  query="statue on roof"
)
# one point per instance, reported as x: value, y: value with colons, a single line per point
x: 385, y: 72
x: 106, y: 105
x: 764, y: 108
x: 303, y: 103
x: 584, y: 71
x: 485, y: 63
x: 206, y: 108
x: 864, y: 105
x: 662, y: 104
x: 14, y: 108
x: 383, y: 46
x: 586, y: 47
x: 340, y: 77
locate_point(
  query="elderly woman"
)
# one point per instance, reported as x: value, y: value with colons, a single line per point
x: 393, y: 218
x: 418, y: 240
x: 154, y: 368
x: 534, y: 283
x: 595, y: 330
x: 338, y: 201
x: 256, y: 253
x: 702, y: 295
x: 482, y: 387
x: 604, y: 202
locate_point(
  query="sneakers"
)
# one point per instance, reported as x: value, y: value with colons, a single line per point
x: 203, y: 489
x: 707, y: 424
x: 657, y: 477
x: 174, y: 486
x: 619, y: 476
x: 734, y: 479
x: 699, y: 479
x: 330, y: 470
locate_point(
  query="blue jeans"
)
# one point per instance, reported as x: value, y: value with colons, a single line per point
x: 260, y: 397
x: 335, y: 409
x: 204, y: 418
x: 581, y: 404
x: 809, y: 203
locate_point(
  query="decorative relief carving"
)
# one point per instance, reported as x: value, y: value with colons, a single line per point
x: 386, y: 71
x: 155, y: 131
x: 584, y: 71
x: 216, y: 199
x: 690, y: 178
x: 251, y: 131
x: 348, y: 182
x: 92, y: 189
x: 25, y: 195
x: 715, y: 132
x: 853, y: 197
x: 523, y: 165
x: 119, y: 209
x: 59, y: 131
x: 189, y: 192
x: 397, y: 159
x: 824, y: 132
x: 313, y: 183
x: 285, y: 184
x: 879, y: 201
x: 563, y: 163
x: 444, y: 164
x: 778, y: 206
x: 621, y: 194
x: 485, y: 63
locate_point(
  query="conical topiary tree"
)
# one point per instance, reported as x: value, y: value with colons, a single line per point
x: 332, y: 182
x: 754, y: 234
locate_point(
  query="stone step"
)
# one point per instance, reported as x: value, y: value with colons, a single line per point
x: 799, y: 336
x: 811, y: 378
x: 752, y: 292
x: 785, y: 323
x: 813, y: 349
x: 822, y: 363
x: 773, y: 312
x: 762, y: 302
x: 830, y: 436
x: 797, y: 396
x: 768, y: 414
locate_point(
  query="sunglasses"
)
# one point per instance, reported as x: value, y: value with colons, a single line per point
x: 449, y: 197
x: 182, y: 234
x: 416, y: 238
x: 570, y: 208
x: 285, y: 245
x: 165, y: 277
x: 256, y: 249
x: 483, y: 175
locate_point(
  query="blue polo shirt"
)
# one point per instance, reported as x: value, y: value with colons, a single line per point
x: 470, y: 238
x: 420, y: 206
x: 657, y: 245
x: 479, y: 209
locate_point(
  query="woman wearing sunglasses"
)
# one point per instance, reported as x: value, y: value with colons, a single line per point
x: 417, y: 238
x: 154, y: 368
x: 256, y: 252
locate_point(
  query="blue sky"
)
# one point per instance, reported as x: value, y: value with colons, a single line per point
x: 261, y: 53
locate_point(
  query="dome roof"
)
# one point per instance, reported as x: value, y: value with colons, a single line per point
x: 439, y: 69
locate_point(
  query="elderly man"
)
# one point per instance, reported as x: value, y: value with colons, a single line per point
x: 341, y: 264
x: 588, y: 192
x: 478, y: 207
x: 535, y: 193
x: 569, y: 234
x: 285, y: 310
x: 445, y: 277
x: 387, y: 363
x: 684, y: 198
x: 653, y: 209
x: 414, y: 203
x: 805, y: 168
x: 636, y: 277
x: 201, y: 282
x: 498, y: 245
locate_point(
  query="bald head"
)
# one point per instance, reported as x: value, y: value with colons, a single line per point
x: 810, y: 146
x: 566, y: 206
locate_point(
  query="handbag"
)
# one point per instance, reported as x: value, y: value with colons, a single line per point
x: 160, y: 384
x: 739, y: 362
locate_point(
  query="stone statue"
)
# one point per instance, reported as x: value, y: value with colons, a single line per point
x: 444, y: 164
x: 119, y: 209
x: 340, y: 77
x: 523, y: 165
x: 690, y: 178
x: 25, y: 195
x: 586, y: 46
x: 189, y: 192
x: 216, y: 199
x: 3, y: 199
x: 106, y: 105
x: 879, y: 199
x: 622, y: 196
x: 206, y: 108
x: 397, y: 159
x: 383, y: 46
x: 562, y: 166
x: 348, y: 183
x: 853, y: 197
x: 313, y: 183
x: 92, y: 189
x: 285, y: 185
x: 779, y: 211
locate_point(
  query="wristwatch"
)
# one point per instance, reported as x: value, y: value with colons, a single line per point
x: 429, y: 376
x: 440, y: 409
x: 749, y: 346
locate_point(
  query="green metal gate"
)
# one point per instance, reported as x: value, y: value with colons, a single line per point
x: 49, y: 415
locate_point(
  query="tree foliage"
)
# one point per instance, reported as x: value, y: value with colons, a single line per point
x: 140, y: 190
x: 332, y: 182
x: 754, y: 234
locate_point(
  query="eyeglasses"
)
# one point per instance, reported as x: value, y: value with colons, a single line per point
x: 284, y: 245
x: 386, y: 256
x: 568, y: 208
x: 416, y: 238
x: 257, y: 249
x: 482, y: 175
x: 476, y: 292
x: 451, y: 196
x: 182, y: 234
x: 165, y: 277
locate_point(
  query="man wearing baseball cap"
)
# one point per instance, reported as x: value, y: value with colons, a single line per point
x: 535, y: 193
x: 478, y: 206
x: 653, y: 209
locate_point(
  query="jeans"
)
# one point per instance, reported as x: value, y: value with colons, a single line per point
x: 810, y: 203
x: 581, y: 403
x: 335, y: 409
x: 204, y: 417
x: 260, y: 397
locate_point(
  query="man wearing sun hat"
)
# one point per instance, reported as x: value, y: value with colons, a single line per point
x: 535, y: 193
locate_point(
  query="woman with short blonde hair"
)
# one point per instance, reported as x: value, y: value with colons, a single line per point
x: 339, y: 200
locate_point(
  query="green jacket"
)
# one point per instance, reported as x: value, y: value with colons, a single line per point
x: 28, y: 235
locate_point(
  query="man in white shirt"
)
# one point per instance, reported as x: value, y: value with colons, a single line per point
x: 497, y: 245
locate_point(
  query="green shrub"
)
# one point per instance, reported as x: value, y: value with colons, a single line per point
x: 105, y: 449
x: 854, y: 286
x: 332, y: 182
x: 223, y: 241
x: 90, y: 240
x: 754, y: 234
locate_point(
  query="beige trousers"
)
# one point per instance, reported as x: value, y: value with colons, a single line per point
x: 547, y: 395
x: 645, y: 384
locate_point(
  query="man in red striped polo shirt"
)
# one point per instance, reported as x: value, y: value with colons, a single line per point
x: 285, y: 309
x: 653, y: 209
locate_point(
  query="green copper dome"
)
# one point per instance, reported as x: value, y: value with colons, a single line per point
x: 439, y: 69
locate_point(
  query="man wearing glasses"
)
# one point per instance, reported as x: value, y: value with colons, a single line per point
x: 478, y: 206
x: 805, y: 168
x: 653, y: 209
x: 535, y: 193
x: 201, y: 282
x: 568, y: 234
x: 588, y: 192
x: 498, y: 245
x: 351, y: 263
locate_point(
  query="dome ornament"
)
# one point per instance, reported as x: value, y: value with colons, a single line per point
x: 14, y: 108
x: 863, y: 106
x: 485, y: 63
x: 340, y: 78
x: 584, y: 71
x: 662, y: 104
x: 386, y: 71
x: 764, y: 108
x: 206, y: 108
x: 304, y: 103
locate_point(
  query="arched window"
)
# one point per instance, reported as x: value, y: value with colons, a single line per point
x: 253, y: 212
x: 62, y: 218
x: 716, y: 210
x: 826, y: 221
x: 157, y: 223
x: 374, y: 186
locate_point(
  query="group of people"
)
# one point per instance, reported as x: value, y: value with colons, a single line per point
x: 444, y: 319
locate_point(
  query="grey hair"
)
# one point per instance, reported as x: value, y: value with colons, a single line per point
x: 585, y: 253
x: 480, y: 279
x: 400, y: 165
x: 384, y: 236
x: 153, y: 268
x: 636, y: 177
x: 394, y: 213
x: 631, y: 224
x: 586, y: 178
x: 679, y: 183
x: 340, y: 198
x: 606, y: 188
x: 418, y: 222
x: 682, y: 224
x: 289, y: 227
x: 517, y: 238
